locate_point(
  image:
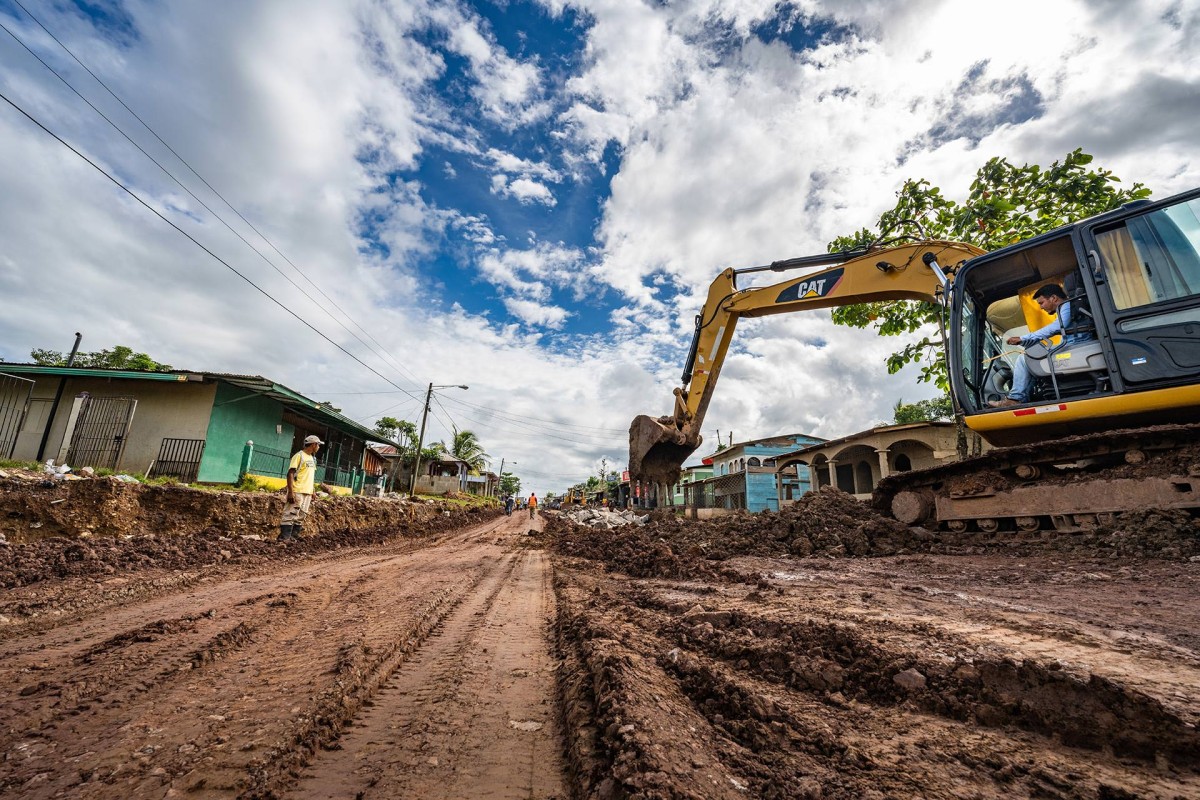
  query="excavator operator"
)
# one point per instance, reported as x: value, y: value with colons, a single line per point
x: 1053, y: 300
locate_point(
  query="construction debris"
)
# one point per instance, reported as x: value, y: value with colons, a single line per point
x: 603, y: 518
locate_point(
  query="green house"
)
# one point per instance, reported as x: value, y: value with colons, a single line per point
x: 197, y: 426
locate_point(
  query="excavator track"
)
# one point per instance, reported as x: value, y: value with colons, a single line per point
x: 1069, y: 484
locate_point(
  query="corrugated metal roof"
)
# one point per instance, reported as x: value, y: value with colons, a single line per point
x: 89, y: 372
x: 253, y: 383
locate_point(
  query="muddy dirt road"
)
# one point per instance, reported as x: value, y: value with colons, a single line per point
x: 474, y: 663
x: 410, y: 670
x: 913, y: 677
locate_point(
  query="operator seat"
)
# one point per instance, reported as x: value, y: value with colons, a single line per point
x: 1069, y: 359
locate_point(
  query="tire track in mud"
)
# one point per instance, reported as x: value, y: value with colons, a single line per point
x: 186, y: 704
x: 779, y: 706
x: 470, y: 714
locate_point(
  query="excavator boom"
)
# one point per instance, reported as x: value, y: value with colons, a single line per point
x: 658, y: 446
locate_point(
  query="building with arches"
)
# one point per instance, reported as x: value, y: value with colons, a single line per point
x: 856, y: 463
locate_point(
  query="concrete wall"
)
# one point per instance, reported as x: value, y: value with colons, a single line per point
x: 165, y: 409
x: 436, y: 486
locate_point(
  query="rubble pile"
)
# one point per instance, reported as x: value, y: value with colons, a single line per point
x: 603, y: 518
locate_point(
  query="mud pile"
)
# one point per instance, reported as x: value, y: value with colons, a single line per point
x: 51, y: 558
x: 105, y: 527
x: 32, y: 508
x: 828, y: 522
x: 832, y: 523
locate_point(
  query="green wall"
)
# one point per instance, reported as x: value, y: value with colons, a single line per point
x: 233, y: 421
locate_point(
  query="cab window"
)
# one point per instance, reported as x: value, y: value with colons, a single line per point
x: 1153, y: 258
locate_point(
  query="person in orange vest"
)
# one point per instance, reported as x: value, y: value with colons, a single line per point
x: 532, y: 504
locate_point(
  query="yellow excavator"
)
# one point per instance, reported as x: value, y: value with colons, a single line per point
x: 1106, y: 414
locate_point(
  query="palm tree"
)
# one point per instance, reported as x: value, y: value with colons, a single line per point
x: 465, y: 446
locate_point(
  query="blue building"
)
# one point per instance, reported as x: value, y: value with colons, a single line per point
x: 744, y: 477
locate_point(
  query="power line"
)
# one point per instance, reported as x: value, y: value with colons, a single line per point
x: 526, y: 428
x: 615, y: 431
x: 195, y: 241
x: 503, y: 416
x: 384, y: 355
x: 384, y: 411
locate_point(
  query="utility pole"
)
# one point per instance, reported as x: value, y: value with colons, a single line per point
x: 62, y: 384
x: 412, y: 485
x: 500, y: 480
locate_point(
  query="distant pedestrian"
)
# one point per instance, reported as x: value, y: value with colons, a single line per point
x: 301, y: 481
x: 532, y: 504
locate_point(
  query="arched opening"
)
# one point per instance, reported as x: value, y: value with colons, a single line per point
x: 753, y: 462
x: 863, y: 481
x: 858, y: 469
x: 910, y: 454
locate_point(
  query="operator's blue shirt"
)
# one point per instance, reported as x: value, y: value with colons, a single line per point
x: 1060, y: 323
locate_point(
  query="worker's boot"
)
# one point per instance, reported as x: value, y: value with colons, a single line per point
x: 287, y: 533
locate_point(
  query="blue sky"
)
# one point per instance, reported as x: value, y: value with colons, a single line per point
x: 531, y: 198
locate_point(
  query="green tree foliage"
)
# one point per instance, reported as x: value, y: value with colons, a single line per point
x: 923, y: 410
x: 404, y: 434
x: 465, y: 445
x: 510, y: 484
x: 388, y: 428
x: 1006, y: 204
x: 120, y: 357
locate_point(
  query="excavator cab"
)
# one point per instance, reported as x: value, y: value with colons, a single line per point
x: 1131, y: 353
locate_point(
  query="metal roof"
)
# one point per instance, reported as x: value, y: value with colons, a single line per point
x: 89, y: 372
x: 289, y: 398
x: 766, y: 440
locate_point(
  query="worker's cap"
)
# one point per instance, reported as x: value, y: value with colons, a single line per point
x: 312, y: 440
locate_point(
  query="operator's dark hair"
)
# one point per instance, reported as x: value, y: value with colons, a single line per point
x: 1050, y: 290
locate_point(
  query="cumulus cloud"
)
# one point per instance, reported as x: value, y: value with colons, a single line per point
x: 524, y: 190
x: 535, y: 313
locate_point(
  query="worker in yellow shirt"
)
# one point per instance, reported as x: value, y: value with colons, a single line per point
x: 301, y: 480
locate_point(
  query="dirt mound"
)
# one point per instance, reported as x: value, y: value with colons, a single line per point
x: 832, y: 523
x: 34, y: 508
x: 827, y: 522
x: 191, y: 543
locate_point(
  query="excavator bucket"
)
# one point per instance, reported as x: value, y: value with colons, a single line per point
x: 657, y: 449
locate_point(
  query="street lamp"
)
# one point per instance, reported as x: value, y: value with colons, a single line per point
x: 412, y: 484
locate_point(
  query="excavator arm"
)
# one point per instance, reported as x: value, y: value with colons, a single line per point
x: 659, y: 446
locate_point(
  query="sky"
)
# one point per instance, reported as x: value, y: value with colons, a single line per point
x: 362, y: 197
